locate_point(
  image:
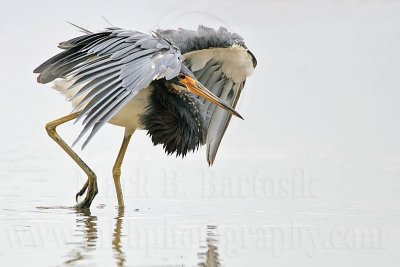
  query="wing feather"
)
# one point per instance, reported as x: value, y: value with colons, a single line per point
x: 105, y: 86
x: 114, y: 65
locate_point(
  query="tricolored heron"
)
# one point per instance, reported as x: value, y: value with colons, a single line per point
x: 169, y: 83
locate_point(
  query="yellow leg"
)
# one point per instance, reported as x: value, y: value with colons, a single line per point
x: 117, y: 166
x: 91, y: 183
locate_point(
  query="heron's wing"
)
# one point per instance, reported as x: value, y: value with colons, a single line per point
x: 223, y: 71
x: 114, y: 65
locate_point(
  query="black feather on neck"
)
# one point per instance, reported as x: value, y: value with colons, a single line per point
x: 174, y: 119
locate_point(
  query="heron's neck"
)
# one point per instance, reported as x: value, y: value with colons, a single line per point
x: 175, y: 120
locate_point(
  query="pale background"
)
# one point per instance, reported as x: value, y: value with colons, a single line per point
x: 311, y: 177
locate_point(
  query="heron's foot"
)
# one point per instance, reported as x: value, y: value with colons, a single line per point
x: 82, y: 191
x: 91, y: 191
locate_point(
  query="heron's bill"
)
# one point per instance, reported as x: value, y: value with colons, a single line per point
x: 197, y: 88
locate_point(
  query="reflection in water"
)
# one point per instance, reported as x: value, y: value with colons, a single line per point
x: 86, y: 224
x: 210, y: 258
x: 86, y: 227
x: 116, y: 242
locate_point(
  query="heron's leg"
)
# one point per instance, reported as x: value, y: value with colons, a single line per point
x: 117, y: 166
x: 91, y: 183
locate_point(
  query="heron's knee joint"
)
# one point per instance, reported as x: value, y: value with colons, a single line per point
x: 50, y: 128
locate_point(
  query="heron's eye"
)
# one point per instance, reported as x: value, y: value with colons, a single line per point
x: 181, y: 76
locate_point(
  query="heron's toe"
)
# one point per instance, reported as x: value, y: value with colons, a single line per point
x: 90, y: 195
x: 81, y: 192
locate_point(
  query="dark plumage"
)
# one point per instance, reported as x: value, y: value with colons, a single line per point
x: 174, y: 119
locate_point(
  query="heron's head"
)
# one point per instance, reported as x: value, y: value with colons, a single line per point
x: 186, y: 81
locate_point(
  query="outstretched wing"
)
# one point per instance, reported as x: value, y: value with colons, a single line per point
x: 114, y: 65
x: 221, y: 62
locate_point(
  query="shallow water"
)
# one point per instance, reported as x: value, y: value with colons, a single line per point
x: 309, y: 178
x: 191, y: 217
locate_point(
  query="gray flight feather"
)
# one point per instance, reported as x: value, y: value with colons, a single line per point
x: 115, y: 64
